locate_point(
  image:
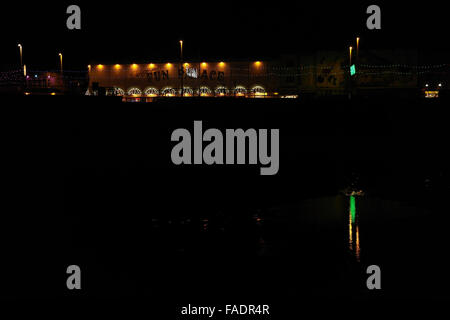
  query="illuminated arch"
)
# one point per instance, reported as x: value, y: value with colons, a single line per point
x: 134, y: 92
x: 168, y: 92
x: 119, y: 92
x: 151, y: 92
x: 188, y: 92
x: 240, y: 91
x: 204, y: 91
x: 258, y: 91
x: 221, y: 91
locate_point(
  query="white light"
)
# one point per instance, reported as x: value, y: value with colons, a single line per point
x: 440, y: 84
x: 426, y: 85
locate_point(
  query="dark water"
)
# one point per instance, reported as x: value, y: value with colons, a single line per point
x: 93, y: 185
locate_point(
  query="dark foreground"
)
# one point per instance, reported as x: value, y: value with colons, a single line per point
x: 90, y: 182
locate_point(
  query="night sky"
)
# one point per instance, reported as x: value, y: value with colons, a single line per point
x: 131, y: 31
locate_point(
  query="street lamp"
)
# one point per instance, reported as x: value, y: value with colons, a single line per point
x: 61, y: 61
x: 182, y: 67
x: 350, y: 50
x: 357, y: 49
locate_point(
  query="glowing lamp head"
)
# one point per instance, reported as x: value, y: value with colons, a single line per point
x: 221, y: 64
x: 168, y: 65
x: 204, y: 64
x: 151, y: 65
x: 134, y: 66
x: 100, y: 67
x: 117, y: 66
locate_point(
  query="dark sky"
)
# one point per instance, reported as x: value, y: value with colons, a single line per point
x: 132, y: 31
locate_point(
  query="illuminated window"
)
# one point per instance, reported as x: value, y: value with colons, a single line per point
x: 168, y: 92
x: 204, y: 91
x: 119, y: 92
x: 188, y: 92
x: 240, y: 91
x: 134, y: 92
x: 221, y: 91
x: 151, y: 92
x: 258, y: 91
x: 431, y: 94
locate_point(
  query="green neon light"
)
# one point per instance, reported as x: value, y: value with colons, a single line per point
x: 353, y: 208
x: 352, y: 70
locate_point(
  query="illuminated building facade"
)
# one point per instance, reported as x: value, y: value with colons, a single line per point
x: 254, y: 79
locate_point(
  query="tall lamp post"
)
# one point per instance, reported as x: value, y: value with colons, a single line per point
x: 182, y: 67
x: 350, y: 76
x: 61, y: 62
x: 21, y: 60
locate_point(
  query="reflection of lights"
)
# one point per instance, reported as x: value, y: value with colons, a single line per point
x: 350, y: 232
x: 358, y: 249
x: 353, y: 208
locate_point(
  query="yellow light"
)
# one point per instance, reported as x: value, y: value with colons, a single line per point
x: 117, y: 66
x: 168, y: 65
x: 258, y: 63
x: 100, y: 67
x: 27, y: 93
x: 151, y: 65
x: 186, y: 64
x: 203, y: 64
x: 134, y: 66
x: 52, y: 93
x: 221, y: 64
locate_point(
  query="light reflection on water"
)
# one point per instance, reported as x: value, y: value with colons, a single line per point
x: 353, y: 223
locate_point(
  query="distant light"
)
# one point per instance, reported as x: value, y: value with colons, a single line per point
x: 203, y: 64
x: 168, y: 65
x: 27, y: 93
x: 117, y: 66
x: 258, y: 63
x: 52, y: 93
x: 186, y: 64
x: 100, y: 67
x: 19, y: 45
x: 48, y: 77
x: 134, y: 66
x: 221, y: 64
x: 35, y: 75
x: 151, y: 65
x: 440, y: 84
x: 426, y: 85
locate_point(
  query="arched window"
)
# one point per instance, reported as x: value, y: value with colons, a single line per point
x: 221, y: 91
x: 119, y: 92
x: 240, y: 91
x: 204, y: 91
x: 151, y: 92
x: 258, y: 91
x: 188, y: 92
x: 134, y: 92
x: 168, y: 92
